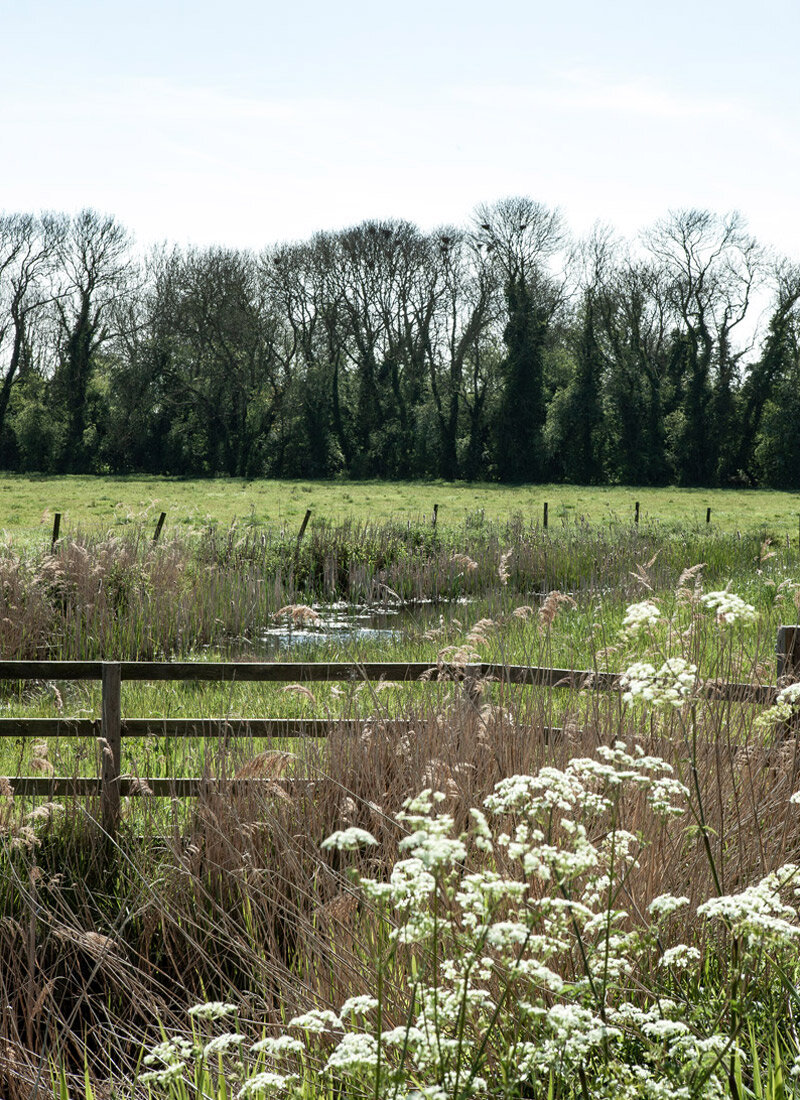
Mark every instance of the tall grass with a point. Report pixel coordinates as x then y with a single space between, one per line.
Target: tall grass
123 597
231 897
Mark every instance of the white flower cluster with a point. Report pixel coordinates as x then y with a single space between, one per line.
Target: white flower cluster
729 607
223 1044
789 696
521 926
670 685
758 914
212 1010
172 1056
261 1084
522 973
348 840
785 707
665 905
639 616
681 957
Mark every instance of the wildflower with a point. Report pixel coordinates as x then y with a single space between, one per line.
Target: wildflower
410 882
165 1076
354 1051
434 848
264 1082
402 1036
662 791
279 1046
357 1006
221 1044
665 905
757 913
211 1010
551 789
785 707
171 1058
789 696
575 1032
482 836
170 1051
638 616
679 957
664 1029
729 607
671 685
317 1020
348 840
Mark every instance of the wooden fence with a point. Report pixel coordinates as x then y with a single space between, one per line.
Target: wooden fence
111 727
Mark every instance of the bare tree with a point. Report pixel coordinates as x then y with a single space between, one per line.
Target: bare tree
389 292
28 249
710 267
469 307
306 286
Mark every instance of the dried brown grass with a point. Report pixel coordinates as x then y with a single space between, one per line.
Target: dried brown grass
238 902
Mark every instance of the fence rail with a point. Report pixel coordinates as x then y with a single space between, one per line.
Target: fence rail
111 727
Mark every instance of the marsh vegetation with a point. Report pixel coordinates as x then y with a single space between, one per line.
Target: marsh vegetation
231 898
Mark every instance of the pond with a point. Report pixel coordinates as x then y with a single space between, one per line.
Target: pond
345 623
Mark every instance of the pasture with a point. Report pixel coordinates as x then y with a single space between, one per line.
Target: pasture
28 503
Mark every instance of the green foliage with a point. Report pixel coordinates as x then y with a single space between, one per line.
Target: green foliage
381 351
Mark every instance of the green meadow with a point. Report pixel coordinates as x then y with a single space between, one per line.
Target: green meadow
29 502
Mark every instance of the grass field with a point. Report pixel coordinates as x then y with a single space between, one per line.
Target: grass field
28 503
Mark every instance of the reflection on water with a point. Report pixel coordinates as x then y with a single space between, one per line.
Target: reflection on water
345 624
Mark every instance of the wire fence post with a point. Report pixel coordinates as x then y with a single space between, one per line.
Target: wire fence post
111 745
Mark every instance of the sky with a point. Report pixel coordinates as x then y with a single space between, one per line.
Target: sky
243 124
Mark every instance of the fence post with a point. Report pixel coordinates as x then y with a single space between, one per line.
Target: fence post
435 515
111 745
159 525
56 529
636 513
788 653
544 516
303 525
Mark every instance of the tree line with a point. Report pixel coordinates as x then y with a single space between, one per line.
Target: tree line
501 350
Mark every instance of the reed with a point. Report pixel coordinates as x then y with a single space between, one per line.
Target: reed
124 597
232 898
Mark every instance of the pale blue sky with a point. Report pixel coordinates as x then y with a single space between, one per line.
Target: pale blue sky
245 123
